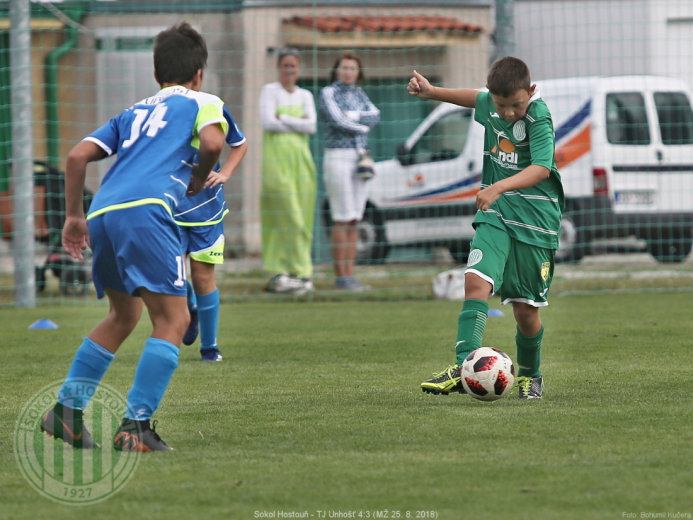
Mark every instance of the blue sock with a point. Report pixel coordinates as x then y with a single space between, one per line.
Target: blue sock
158 362
208 309
192 299
88 367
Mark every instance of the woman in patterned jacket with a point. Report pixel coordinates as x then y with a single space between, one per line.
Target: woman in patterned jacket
348 115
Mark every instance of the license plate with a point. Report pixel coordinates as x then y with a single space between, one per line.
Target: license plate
634 197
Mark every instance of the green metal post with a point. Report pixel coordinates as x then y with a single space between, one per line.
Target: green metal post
51 78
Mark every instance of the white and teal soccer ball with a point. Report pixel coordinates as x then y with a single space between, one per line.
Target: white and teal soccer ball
487 374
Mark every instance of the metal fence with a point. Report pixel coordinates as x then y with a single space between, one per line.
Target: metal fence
616 76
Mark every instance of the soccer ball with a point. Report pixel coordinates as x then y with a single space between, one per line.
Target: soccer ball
487 374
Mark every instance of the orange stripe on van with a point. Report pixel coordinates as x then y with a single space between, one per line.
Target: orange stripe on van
578 146
446 198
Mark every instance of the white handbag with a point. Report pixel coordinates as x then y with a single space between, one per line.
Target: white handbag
449 285
365 166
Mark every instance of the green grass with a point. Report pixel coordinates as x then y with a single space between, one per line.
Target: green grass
317 407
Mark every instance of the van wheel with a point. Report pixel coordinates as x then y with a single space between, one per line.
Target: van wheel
671 246
372 246
571 242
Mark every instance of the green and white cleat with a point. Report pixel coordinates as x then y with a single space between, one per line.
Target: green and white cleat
530 387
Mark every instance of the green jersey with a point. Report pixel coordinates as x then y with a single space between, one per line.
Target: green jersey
531 215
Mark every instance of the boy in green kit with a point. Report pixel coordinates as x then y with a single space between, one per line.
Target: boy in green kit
518 219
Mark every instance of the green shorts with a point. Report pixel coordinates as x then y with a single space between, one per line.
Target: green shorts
521 272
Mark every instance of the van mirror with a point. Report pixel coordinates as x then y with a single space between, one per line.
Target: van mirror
403 154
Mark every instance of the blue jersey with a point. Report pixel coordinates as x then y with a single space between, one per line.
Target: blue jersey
209 206
156 141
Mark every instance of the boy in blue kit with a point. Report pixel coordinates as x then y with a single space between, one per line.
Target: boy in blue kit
135 241
200 218
518 219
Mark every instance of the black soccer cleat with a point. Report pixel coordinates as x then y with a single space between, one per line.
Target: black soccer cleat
67 424
139 436
530 387
444 382
210 354
193 329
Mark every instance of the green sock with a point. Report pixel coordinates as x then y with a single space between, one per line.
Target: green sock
529 353
470 327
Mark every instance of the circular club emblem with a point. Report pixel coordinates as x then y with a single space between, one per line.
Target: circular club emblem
519 131
474 257
67 475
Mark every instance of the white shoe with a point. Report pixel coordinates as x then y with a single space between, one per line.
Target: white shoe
307 286
285 284
278 280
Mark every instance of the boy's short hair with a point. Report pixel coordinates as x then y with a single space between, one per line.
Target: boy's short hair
179 52
507 76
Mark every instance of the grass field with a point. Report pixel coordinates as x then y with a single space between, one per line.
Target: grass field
317 407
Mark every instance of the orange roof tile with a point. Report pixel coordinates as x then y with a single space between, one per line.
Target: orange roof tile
332 24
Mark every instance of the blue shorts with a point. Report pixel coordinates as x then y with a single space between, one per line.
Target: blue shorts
204 243
137 247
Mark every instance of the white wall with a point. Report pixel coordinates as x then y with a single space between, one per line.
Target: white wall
560 39
671 48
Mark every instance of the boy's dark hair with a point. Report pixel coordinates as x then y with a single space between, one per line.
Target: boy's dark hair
179 52
348 55
507 76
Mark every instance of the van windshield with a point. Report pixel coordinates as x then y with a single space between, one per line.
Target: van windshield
675 117
444 140
626 119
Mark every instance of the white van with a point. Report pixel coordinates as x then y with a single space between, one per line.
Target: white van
624 148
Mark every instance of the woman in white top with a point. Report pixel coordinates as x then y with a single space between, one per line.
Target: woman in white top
287 201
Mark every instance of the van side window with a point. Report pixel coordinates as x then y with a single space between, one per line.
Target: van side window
675 117
444 140
626 119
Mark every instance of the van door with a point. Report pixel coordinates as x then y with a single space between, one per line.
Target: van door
440 176
675 155
649 152
632 153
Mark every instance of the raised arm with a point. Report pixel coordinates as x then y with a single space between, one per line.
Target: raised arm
420 87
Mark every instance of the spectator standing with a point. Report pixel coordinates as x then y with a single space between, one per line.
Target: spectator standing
348 115
287 202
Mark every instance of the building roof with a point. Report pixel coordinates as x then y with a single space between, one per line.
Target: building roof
384 24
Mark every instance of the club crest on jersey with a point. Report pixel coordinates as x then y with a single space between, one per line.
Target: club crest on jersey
519 131
474 257
545 269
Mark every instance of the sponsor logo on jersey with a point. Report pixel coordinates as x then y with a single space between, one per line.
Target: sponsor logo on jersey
505 151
